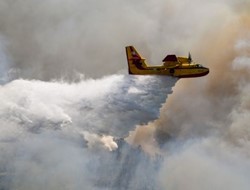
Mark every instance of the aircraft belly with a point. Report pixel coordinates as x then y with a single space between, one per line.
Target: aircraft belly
178 72
189 73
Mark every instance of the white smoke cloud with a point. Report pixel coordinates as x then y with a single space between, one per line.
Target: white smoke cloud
208 147
51 131
106 142
243 49
205 164
106 106
60 135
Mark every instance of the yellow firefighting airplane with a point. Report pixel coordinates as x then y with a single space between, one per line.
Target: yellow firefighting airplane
181 67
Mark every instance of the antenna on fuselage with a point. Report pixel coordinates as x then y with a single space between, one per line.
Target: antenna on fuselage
189 58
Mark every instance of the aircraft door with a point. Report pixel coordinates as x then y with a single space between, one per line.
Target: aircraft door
171 71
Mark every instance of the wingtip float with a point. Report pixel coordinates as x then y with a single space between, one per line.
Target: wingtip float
181 67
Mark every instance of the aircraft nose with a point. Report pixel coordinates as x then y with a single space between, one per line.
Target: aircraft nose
206 71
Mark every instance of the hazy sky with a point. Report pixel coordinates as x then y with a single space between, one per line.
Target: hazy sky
50 39
205 119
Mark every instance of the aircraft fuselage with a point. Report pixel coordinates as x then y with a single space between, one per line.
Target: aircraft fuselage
181 67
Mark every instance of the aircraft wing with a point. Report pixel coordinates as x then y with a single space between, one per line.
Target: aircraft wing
170 58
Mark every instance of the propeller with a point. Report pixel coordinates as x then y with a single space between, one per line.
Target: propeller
189 58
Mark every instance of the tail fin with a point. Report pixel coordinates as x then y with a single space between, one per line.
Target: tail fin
135 62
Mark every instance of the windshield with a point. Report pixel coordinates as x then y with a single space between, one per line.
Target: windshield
199 65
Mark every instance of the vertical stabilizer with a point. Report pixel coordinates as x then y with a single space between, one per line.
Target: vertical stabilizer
135 61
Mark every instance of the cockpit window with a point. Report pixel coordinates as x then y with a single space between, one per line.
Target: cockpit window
199 65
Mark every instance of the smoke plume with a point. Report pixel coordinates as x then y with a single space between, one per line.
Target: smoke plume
64 113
